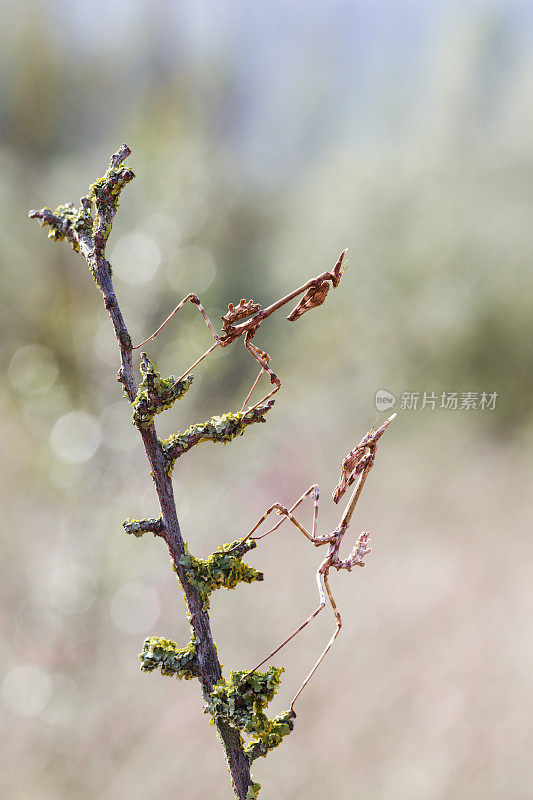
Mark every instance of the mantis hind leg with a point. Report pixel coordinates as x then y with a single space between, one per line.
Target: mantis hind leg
194 299
287 514
254 384
298 630
314 490
338 619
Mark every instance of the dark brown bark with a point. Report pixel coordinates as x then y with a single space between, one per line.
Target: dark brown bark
209 669
208 663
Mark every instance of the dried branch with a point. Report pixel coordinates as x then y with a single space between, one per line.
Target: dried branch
89 235
217 429
237 705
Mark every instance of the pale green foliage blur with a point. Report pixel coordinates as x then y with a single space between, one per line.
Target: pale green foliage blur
265 140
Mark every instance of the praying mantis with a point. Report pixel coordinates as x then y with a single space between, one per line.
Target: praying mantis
245 319
355 468
250 315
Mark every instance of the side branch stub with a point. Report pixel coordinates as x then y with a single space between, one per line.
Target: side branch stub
156 394
224 568
164 654
138 527
222 428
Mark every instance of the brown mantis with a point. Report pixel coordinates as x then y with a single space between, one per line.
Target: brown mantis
250 315
245 320
355 467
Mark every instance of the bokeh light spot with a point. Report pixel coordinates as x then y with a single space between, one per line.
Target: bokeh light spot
118 431
63 701
33 368
136 258
26 690
191 269
135 608
75 437
72 588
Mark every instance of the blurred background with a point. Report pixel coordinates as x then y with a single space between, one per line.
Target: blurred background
266 138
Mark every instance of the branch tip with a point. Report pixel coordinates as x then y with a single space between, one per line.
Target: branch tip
120 156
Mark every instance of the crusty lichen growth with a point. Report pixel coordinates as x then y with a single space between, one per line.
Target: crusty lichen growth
253 791
270 734
155 393
78 225
225 568
110 185
105 193
223 429
138 527
67 221
164 654
241 702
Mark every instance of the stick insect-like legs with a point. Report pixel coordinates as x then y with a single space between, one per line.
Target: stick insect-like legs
287 514
317 541
195 302
260 356
254 384
334 539
322 655
306 622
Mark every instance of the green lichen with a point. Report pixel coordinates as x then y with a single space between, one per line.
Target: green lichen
155 394
65 220
105 193
253 791
164 654
269 734
78 226
110 185
223 568
222 428
241 702
138 527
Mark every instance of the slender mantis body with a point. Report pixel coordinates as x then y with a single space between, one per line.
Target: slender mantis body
246 318
355 468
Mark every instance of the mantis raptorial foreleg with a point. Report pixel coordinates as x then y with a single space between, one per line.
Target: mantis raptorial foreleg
260 356
245 318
